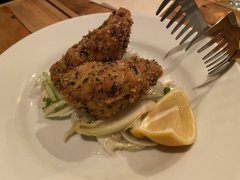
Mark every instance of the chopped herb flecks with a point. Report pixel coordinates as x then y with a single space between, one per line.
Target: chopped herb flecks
166 90
48 101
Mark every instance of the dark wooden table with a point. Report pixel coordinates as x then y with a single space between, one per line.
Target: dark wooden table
19 18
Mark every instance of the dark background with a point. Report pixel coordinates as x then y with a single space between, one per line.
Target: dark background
3 1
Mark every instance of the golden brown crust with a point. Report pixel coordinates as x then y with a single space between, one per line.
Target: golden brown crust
91 77
103 89
106 43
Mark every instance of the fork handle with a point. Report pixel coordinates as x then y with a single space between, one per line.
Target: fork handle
238 53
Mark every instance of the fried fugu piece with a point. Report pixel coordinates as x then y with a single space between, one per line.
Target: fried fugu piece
106 43
104 88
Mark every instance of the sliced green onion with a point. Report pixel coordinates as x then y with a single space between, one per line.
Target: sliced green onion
49 90
48 101
46 76
67 111
54 90
55 107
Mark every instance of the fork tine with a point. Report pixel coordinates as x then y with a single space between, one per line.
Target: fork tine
218 67
188 25
169 10
175 17
187 36
219 45
222 70
162 6
212 30
212 41
189 12
221 63
197 38
223 51
222 44
217 60
215 28
179 25
202 35
189 9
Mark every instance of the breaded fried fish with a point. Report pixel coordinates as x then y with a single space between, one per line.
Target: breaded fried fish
106 43
104 88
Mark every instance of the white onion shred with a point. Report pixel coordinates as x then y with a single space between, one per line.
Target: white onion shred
118 122
116 142
140 142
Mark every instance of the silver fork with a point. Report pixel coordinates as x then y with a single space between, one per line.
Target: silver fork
225 42
189 14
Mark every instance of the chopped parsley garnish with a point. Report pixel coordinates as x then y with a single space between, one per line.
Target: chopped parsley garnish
166 90
48 101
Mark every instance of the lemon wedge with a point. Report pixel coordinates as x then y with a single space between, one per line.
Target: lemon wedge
170 122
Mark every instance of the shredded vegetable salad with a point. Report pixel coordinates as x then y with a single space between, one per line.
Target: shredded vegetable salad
113 134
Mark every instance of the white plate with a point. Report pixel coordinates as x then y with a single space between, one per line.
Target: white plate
32 147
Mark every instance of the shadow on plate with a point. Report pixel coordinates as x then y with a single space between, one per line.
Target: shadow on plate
155 160
188 71
79 148
76 149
